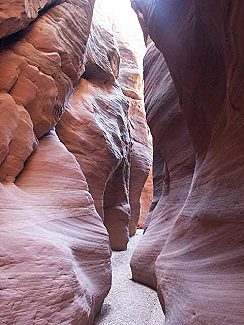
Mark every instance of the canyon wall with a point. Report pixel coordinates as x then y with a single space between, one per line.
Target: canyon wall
68 155
193 247
171 145
104 126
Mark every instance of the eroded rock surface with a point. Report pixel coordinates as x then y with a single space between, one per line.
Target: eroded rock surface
97 114
55 252
101 112
17 14
173 164
50 271
199 271
38 71
63 77
141 161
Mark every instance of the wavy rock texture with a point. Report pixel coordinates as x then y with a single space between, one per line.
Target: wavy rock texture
173 164
55 253
98 113
200 269
17 14
50 272
131 47
17 139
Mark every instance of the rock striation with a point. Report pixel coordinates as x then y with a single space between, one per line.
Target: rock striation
101 112
39 70
50 272
171 145
199 269
55 253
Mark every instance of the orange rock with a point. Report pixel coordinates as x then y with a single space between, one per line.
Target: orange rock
45 61
18 14
146 200
141 161
38 70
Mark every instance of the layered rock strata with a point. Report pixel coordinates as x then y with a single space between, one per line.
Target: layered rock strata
38 71
63 77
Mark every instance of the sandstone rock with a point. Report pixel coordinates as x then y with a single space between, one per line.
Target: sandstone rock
146 200
55 255
97 115
17 139
38 71
173 164
141 161
17 14
46 61
200 270
103 58
131 47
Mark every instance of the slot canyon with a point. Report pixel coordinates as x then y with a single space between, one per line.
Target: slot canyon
122 162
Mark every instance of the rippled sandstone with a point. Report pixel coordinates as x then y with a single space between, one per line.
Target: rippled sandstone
199 271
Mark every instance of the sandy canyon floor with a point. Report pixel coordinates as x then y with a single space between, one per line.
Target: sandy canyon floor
129 303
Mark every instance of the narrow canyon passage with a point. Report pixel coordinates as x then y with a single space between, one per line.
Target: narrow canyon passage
117 115
128 302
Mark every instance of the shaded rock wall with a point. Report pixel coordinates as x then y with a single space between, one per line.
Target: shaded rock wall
199 271
173 164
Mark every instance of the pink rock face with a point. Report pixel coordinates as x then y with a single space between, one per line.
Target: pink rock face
55 252
51 271
97 114
200 269
38 70
132 48
17 14
172 179
107 132
95 129
45 61
54 246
